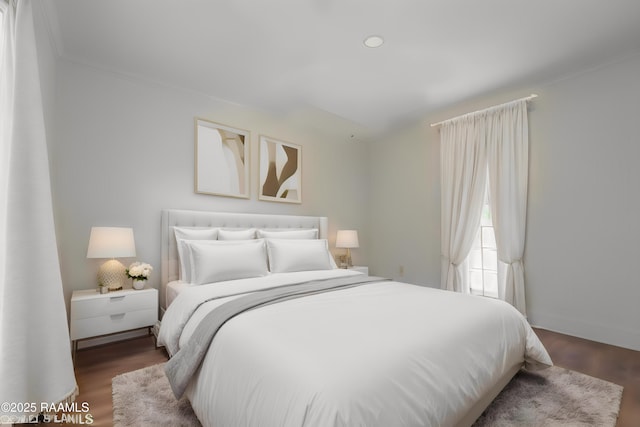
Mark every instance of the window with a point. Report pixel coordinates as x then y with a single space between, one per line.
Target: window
483 258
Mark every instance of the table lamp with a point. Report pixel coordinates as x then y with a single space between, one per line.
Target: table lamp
111 242
347 239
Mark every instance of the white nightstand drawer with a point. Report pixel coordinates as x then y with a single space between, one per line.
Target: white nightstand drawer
112 303
94 314
114 322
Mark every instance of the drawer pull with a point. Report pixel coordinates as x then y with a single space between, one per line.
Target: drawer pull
117 316
116 299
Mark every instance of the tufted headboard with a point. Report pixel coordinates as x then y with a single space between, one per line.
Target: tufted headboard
203 219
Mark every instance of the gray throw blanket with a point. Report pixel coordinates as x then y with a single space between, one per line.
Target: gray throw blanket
182 366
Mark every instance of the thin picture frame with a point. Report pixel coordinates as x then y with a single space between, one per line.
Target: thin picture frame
221 160
280 171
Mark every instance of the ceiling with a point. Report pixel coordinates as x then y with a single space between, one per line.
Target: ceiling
285 55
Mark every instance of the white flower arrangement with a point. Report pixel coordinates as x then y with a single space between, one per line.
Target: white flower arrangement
139 271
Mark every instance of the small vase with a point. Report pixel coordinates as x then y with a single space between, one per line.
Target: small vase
139 284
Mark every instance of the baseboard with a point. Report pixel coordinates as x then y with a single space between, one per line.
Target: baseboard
618 336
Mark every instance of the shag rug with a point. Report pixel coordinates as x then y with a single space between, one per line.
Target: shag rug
552 397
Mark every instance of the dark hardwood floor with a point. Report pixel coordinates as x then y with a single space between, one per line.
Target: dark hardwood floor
615 364
96 366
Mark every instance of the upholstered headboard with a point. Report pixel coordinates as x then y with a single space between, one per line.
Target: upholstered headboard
202 219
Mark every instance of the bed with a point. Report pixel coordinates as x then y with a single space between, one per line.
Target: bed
361 352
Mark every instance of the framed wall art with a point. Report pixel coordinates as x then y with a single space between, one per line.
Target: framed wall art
221 160
280 171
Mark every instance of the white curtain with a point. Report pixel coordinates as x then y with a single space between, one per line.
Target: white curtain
463 168
493 140
508 161
35 357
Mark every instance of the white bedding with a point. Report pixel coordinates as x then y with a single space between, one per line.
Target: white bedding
384 354
174 288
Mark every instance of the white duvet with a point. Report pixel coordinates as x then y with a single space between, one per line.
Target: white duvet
382 354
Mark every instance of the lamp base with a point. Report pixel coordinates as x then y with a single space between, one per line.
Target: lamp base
112 274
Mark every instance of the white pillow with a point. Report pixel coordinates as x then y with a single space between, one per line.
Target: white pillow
215 262
186 253
298 255
311 233
183 233
247 234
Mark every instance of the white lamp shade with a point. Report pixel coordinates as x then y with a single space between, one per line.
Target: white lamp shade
111 242
347 239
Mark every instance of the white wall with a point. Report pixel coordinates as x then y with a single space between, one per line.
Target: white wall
121 150
404 219
583 235
124 149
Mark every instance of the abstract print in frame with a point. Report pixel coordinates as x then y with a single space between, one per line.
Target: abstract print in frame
280 171
222 160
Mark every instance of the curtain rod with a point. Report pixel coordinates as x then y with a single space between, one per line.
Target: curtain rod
526 98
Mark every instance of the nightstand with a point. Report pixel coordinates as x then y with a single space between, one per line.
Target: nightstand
94 314
362 269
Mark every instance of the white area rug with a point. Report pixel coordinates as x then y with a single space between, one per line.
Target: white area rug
553 397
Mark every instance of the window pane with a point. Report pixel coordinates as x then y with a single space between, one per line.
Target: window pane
475 259
483 257
488 238
486 216
491 284
490 260
475 278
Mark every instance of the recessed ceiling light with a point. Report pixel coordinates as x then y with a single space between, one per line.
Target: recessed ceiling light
373 41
